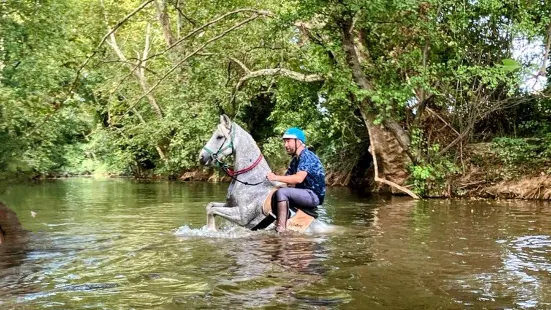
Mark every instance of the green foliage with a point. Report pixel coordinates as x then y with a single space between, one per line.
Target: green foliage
514 152
430 179
458 52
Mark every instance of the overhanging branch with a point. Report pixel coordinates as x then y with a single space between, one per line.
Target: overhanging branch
81 67
196 51
257 13
297 76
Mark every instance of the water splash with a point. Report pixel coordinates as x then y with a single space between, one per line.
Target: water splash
318 227
232 232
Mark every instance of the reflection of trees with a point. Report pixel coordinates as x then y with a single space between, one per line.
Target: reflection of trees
462 252
271 269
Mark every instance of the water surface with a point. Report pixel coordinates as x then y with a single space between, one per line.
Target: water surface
122 244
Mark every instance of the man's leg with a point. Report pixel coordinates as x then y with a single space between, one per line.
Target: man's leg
298 198
282 214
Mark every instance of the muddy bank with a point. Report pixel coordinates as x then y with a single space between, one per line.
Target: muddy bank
484 174
529 187
487 175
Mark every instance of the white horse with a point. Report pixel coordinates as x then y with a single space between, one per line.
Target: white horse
249 189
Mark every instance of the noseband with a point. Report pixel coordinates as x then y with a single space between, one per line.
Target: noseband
218 163
222 148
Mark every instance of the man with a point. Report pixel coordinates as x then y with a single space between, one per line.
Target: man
307 175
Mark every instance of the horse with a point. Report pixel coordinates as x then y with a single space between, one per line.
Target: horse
249 190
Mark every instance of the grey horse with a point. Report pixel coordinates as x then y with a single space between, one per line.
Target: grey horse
249 188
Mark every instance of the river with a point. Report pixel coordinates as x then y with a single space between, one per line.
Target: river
123 244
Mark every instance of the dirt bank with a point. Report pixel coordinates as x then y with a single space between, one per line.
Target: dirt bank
489 176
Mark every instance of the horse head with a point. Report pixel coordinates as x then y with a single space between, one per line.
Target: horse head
220 143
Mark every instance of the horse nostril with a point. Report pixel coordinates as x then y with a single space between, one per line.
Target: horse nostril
203 158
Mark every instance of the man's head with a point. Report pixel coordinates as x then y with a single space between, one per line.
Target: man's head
294 140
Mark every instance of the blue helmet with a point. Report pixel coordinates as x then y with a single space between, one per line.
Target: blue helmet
294 133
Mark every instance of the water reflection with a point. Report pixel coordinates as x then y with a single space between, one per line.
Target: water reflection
119 243
263 268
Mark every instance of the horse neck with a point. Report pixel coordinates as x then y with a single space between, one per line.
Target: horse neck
247 152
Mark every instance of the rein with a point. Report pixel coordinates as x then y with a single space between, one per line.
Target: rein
227 170
251 167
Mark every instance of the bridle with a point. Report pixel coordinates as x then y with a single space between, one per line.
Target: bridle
225 167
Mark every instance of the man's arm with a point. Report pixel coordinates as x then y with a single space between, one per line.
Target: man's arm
289 179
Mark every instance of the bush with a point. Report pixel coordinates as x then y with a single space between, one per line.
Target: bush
523 152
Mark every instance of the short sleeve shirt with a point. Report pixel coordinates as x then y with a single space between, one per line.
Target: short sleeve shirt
315 177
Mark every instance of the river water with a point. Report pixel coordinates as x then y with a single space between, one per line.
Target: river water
122 244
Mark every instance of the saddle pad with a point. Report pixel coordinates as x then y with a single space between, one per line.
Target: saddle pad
299 222
267 205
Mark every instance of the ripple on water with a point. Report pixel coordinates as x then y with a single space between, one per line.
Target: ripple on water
120 244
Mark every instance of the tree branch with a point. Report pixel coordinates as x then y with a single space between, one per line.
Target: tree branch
202 27
81 67
181 13
454 142
308 78
543 68
145 49
197 50
376 167
431 111
138 73
363 83
164 20
111 31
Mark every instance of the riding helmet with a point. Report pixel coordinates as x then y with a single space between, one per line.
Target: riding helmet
295 133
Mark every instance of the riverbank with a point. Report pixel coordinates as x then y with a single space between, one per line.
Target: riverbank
536 186
489 173
485 174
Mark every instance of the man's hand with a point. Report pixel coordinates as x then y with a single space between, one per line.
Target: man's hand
271 176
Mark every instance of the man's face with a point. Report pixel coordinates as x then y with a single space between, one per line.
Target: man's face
290 146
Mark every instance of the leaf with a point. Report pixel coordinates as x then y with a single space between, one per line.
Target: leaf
510 65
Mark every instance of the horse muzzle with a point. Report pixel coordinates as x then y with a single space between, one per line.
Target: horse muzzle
205 158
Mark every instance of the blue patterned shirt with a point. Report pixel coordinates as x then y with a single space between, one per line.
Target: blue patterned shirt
315 177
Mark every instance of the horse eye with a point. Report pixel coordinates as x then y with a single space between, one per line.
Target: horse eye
219 137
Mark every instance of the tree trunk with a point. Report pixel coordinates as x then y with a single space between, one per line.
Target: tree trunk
164 20
392 143
139 72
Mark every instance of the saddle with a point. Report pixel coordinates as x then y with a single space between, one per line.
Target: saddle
299 222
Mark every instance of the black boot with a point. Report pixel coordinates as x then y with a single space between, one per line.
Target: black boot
282 213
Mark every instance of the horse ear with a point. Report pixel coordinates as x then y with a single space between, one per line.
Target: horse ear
225 120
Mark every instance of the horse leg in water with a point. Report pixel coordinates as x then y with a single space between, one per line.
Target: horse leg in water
232 214
210 215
